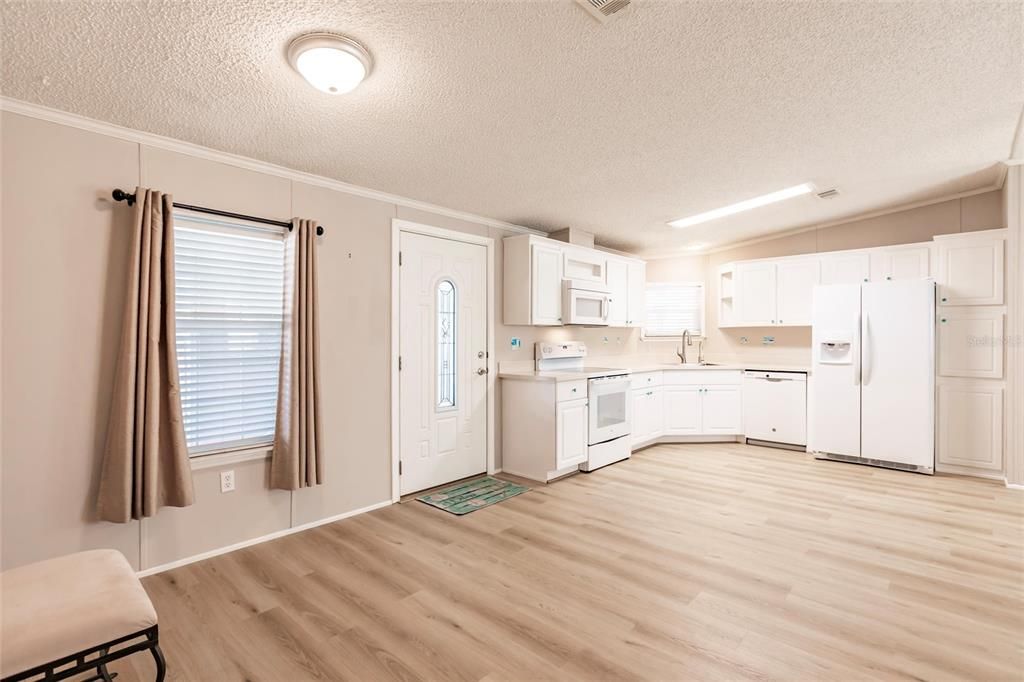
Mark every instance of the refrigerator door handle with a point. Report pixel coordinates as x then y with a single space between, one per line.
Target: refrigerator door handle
866 351
856 359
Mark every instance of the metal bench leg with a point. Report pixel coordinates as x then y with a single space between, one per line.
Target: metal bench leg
105 674
161 664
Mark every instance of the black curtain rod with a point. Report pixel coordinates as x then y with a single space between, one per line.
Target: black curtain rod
121 195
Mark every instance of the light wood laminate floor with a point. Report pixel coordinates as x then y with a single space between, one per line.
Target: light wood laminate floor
711 562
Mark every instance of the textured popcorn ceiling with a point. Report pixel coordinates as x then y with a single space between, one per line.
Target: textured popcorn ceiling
534 113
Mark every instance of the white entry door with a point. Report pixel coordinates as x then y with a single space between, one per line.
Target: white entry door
443 351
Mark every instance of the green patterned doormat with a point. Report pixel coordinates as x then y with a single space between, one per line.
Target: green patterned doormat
468 496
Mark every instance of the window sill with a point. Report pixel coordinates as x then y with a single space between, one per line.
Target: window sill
219 459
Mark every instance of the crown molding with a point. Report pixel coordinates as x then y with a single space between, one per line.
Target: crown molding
51 115
998 184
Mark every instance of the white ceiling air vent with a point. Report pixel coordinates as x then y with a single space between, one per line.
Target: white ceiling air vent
602 10
828 194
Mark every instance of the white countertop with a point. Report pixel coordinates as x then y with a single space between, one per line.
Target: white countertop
641 366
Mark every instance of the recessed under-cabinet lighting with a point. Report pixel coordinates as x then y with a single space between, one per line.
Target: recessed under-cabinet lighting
746 205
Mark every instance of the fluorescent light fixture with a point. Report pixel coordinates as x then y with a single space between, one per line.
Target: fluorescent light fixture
763 200
331 63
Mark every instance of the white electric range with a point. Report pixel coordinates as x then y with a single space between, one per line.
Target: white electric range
607 395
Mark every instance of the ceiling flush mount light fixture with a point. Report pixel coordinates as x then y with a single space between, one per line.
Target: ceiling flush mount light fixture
331 63
763 200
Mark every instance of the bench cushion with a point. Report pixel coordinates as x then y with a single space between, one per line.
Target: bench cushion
61 606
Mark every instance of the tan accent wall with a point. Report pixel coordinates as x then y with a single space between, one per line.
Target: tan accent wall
64 266
65 244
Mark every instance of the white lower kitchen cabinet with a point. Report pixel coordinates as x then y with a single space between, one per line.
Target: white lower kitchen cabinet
545 425
721 411
681 406
970 420
648 415
571 427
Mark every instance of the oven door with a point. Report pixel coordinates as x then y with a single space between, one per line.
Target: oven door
610 407
585 307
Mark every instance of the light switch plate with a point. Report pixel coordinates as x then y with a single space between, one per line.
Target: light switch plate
227 481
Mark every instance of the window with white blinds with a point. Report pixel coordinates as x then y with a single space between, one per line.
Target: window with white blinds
229 284
673 307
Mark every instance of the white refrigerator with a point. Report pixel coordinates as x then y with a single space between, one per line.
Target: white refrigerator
872 393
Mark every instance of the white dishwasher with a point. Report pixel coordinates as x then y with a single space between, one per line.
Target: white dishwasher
775 407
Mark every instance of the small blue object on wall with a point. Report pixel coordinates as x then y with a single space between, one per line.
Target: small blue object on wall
516 343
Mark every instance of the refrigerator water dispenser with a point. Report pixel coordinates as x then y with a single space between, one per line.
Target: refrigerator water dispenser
836 348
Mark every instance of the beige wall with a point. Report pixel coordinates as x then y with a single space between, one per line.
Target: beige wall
64 267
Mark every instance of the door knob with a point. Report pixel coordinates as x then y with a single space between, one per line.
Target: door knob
482 371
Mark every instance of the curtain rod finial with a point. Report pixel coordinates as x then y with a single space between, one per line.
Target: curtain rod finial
121 195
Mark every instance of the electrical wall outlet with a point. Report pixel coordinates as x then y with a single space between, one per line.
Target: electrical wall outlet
743 340
227 481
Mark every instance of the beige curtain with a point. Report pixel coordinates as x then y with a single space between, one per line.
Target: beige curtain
297 458
145 462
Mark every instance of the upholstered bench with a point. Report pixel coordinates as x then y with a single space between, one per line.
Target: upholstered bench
74 614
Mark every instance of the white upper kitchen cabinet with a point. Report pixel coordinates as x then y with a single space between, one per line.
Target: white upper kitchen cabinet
971 342
845 267
901 262
971 268
535 269
795 282
755 294
637 306
618 296
546 286
532 284
584 264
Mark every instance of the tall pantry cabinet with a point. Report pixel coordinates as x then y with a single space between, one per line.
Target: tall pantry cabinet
971 382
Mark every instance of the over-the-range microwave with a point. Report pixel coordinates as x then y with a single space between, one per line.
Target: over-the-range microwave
584 303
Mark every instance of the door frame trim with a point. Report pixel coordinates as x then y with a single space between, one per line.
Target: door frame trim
398 226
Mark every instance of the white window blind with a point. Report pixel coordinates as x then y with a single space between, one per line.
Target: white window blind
673 307
229 284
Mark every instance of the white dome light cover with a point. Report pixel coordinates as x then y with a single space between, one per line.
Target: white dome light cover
331 63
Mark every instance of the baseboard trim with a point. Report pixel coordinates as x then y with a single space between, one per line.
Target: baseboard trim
1013 486
259 540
